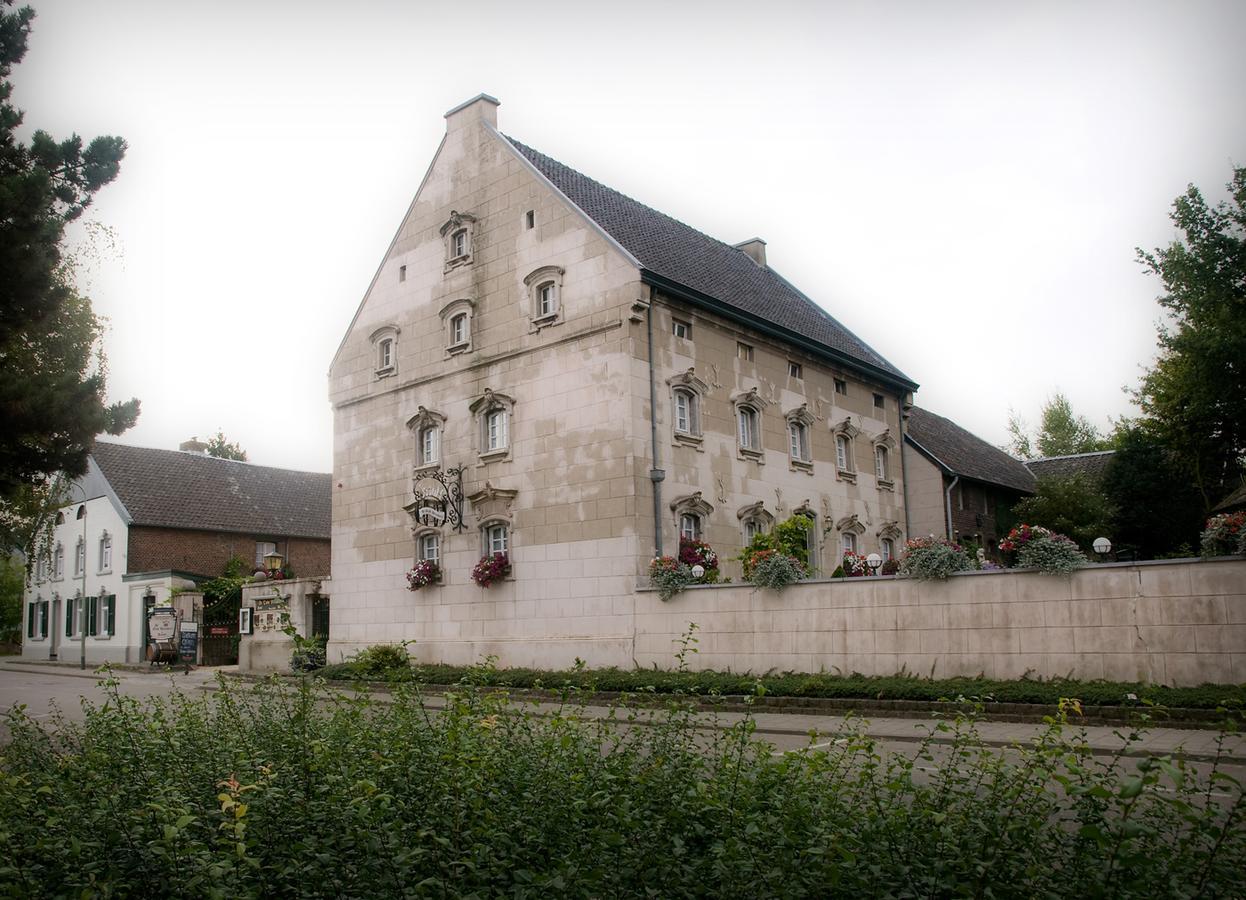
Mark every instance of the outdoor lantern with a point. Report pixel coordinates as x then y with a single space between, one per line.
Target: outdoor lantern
698 570
1102 546
272 561
874 561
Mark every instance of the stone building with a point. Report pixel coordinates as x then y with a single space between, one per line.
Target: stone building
606 379
960 487
143 522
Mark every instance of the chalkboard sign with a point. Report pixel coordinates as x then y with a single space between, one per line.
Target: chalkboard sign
188 642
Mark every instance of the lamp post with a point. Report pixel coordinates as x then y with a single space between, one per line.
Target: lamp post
873 561
1103 547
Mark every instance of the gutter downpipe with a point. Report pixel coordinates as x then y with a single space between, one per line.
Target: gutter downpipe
947 500
904 475
656 474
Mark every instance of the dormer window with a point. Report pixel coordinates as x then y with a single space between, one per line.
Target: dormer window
385 346
458 233
457 319
544 288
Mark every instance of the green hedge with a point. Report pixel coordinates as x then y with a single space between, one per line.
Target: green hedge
896 687
263 792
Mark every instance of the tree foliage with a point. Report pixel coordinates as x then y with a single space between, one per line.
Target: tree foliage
1061 432
1157 506
1075 506
1194 397
53 372
220 447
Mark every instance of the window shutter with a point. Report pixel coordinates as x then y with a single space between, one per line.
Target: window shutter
30 620
69 617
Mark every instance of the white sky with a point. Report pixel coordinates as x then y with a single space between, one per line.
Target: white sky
961 184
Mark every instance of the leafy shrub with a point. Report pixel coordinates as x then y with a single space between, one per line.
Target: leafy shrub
774 570
491 568
931 558
1041 548
308 654
890 567
259 793
1224 534
380 659
669 576
789 538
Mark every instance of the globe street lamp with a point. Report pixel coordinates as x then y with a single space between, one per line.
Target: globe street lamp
1103 547
873 561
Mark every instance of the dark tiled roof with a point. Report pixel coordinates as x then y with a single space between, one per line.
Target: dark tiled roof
668 248
1233 502
1090 465
173 489
966 454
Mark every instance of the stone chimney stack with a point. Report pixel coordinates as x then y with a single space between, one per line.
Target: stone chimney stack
482 106
194 445
756 250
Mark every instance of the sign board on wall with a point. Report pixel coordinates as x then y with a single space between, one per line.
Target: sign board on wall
162 624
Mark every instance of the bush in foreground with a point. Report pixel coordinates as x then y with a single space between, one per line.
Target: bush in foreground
269 792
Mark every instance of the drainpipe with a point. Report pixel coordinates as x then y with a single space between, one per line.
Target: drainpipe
656 474
947 500
904 472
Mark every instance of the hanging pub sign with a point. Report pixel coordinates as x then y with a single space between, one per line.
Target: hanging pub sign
162 624
438 498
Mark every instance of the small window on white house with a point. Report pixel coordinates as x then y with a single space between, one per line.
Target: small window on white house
385 346
430 547
795 370
849 541
681 329
544 286
457 233
546 300
456 319
798 440
402 273
58 561
105 552
80 558
492 412
888 548
841 387
881 464
496 539
690 527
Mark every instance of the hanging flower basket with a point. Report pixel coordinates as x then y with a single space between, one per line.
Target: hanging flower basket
491 568
425 572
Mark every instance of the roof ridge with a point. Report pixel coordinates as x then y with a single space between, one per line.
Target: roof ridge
1067 456
216 459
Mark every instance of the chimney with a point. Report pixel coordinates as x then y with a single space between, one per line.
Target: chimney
756 250
482 106
194 445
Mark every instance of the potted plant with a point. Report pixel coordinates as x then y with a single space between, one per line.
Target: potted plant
424 572
491 568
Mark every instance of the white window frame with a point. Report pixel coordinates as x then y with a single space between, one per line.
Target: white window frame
80 557
385 349
687 391
690 526
882 463
385 354
843 452
430 547
458 232
495 538
105 552
493 413
682 329
795 370
888 548
459 244
456 317
262 550
848 542
497 430
458 329
430 444
544 290
748 428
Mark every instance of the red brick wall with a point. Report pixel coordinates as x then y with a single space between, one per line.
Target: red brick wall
969 520
207 552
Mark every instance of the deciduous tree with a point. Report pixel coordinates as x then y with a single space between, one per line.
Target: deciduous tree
1061 432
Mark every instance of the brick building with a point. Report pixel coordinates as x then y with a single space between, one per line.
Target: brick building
144 522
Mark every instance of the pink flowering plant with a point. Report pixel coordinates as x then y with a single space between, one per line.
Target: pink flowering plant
932 558
491 568
855 565
423 573
1224 535
669 575
698 553
1043 549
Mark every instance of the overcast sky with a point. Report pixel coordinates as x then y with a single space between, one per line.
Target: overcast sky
961 184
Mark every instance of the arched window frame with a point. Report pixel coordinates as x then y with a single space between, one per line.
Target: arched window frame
850 533
538 281
459 235
800 438
450 317
425 535
385 350
754 520
748 407
495 532
845 435
889 534
884 454
494 415
694 507
686 429
422 424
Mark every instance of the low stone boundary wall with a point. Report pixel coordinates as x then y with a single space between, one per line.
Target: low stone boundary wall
1180 622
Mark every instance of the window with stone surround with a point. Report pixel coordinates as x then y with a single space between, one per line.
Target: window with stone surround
385 347
105 552
882 464
845 449
456 317
691 514
687 391
495 538
58 562
888 548
849 542
754 520
690 527
799 425
544 287
430 546
851 532
459 234
80 557
748 411
427 426
493 415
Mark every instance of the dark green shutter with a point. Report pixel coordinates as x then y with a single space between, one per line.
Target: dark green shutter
69 617
30 620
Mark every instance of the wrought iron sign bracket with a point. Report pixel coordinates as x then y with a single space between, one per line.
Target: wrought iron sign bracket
442 504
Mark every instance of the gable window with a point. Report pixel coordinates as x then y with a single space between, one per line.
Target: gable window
456 317
530 219
795 370
681 329
458 233
493 412
58 561
744 351
80 558
881 467
402 273
105 552
385 344
880 402
430 547
544 287
841 387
